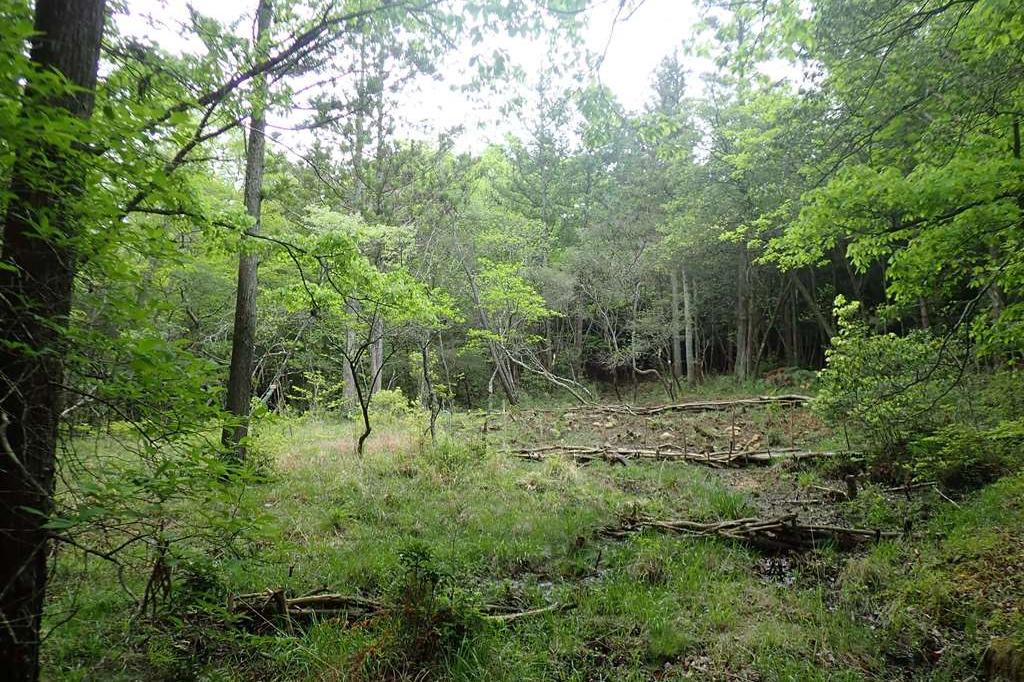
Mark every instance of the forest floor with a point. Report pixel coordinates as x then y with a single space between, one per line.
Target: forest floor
447 531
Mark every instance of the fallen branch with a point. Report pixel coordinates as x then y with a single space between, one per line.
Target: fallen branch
909 487
584 454
265 609
509 617
261 609
779 534
698 406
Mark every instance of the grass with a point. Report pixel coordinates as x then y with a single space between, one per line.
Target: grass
450 527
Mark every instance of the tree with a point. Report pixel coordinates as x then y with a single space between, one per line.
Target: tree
37 272
243 338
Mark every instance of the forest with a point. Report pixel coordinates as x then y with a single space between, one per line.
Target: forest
303 383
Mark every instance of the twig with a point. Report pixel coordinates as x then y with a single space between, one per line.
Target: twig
509 617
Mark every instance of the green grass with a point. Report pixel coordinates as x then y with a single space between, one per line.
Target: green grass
498 531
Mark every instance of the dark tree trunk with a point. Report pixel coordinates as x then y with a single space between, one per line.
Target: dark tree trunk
349 391
243 338
36 283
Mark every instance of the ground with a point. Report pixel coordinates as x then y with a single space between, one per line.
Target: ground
448 531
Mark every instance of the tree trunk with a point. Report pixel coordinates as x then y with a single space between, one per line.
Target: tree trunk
677 346
376 354
428 397
577 342
691 358
36 283
349 390
741 366
504 372
823 322
243 338
790 338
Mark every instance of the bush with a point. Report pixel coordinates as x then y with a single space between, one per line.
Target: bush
964 457
886 387
910 405
450 458
390 404
430 625
886 392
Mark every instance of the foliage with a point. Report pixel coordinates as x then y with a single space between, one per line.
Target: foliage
885 169
961 456
431 625
392 404
886 388
945 605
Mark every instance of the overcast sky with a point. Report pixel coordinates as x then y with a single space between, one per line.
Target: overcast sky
635 45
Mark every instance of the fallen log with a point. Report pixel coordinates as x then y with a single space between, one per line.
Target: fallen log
696 406
585 454
779 534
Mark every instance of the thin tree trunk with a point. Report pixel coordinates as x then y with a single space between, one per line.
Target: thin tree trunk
504 372
577 342
243 338
691 358
823 322
677 346
364 410
428 398
922 306
36 283
349 390
741 366
790 332
376 353
498 353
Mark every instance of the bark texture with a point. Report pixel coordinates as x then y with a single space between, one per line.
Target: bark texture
243 337
35 298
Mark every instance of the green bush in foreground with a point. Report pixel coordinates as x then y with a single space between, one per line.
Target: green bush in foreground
916 409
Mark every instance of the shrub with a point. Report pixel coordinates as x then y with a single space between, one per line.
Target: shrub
451 458
390 404
886 387
912 407
960 456
886 391
430 624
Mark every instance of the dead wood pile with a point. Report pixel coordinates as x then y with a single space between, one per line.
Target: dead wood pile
697 406
780 534
668 453
273 609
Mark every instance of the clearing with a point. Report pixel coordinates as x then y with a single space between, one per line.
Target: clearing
501 553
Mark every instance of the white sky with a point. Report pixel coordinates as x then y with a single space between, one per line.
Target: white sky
635 46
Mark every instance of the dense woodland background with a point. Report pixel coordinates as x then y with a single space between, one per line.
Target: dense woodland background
177 273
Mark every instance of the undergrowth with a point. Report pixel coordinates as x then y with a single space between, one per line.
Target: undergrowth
445 532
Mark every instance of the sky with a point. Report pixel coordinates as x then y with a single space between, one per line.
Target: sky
632 46
638 43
